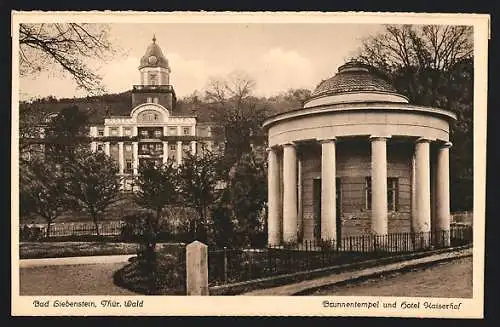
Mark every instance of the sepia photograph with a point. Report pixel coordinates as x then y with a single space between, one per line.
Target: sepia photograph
170 163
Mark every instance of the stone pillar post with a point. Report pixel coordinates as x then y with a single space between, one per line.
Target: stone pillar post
193 147
120 157
196 269
379 185
443 216
423 181
179 153
135 157
273 201
165 152
106 148
93 146
289 193
328 190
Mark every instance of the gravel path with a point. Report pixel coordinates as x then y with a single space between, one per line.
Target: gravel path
448 279
88 279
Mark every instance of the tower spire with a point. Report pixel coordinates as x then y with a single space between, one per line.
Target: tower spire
154 38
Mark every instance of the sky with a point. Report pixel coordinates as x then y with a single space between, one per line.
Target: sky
278 56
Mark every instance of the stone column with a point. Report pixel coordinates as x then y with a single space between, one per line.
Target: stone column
193 147
179 153
379 185
328 190
289 193
423 180
414 211
165 152
120 157
273 201
443 216
106 148
135 157
300 222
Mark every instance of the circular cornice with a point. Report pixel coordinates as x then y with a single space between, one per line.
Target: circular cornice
365 106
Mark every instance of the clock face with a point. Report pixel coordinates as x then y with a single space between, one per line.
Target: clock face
152 60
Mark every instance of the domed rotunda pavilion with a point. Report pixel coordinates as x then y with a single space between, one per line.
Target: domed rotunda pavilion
357 159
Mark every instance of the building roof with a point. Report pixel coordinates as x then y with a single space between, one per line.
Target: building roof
354 76
154 57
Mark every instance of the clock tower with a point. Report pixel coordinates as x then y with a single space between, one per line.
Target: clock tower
155 84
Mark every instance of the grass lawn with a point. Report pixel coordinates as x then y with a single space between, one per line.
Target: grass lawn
35 250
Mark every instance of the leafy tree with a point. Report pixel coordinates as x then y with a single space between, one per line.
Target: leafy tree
67 47
41 191
289 100
198 177
248 195
66 133
32 120
157 187
222 220
433 66
93 183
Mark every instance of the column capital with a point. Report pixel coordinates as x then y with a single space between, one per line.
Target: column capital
379 137
292 144
328 140
271 148
445 145
424 140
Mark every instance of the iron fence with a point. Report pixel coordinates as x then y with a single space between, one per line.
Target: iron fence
37 232
236 265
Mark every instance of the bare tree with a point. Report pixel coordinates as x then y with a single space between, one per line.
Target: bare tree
66 46
438 47
232 105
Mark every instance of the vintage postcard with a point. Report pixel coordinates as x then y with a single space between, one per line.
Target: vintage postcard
248 164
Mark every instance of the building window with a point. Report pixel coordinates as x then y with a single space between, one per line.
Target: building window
127 131
158 147
100 131
144 133
114 131
368 193
100 147
172 147
392 194
155 100
158 133
149 100
172 130
186 130
128 147
144 147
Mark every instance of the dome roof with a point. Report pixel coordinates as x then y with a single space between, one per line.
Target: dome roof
354 76
154 57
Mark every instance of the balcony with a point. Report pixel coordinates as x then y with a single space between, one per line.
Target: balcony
153 88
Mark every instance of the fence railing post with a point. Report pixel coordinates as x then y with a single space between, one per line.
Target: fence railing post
196 269
225 264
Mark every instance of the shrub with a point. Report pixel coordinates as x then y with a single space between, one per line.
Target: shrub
159 272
